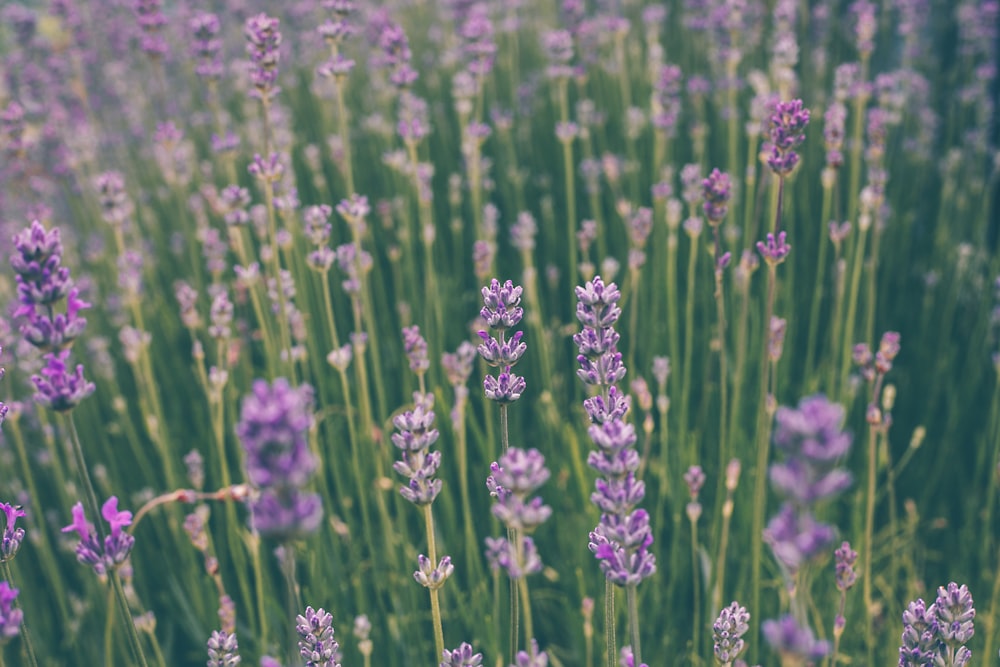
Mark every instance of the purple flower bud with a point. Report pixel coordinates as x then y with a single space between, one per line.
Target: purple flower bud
117 544
12 535
716 190
532 658
316 643
433 576
793 641
223 650
10 618
775 250
787 125
502 305
954 612
728 631
461 657
504 354
416 350
845 557
263 42
695 479
505 388
59 389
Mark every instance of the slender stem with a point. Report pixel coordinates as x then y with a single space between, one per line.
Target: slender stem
504 437
820 285
611 644
291 597
25 635
720 565
529 631
684 418
570 182
866 558
126 616
259 577
991 619
696 595
631 599
847 334
435 603
760 470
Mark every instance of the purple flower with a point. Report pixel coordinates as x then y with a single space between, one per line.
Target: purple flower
954 611
505 388
12 535
416 350
532 658
431 575
316 643
223 650
728 631
116 546
791 640
273 427
461 657
695 479
775 250
716 190
502 305
796 537
416 433
206 46
787 125
57 387
10 618
263 42
921 642
845 557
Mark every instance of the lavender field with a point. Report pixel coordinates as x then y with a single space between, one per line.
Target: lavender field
585 333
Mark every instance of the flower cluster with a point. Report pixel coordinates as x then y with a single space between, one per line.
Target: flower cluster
223 650
273 426
937 635
206 45
796 644
12 535
263 42
416 434
787 125
716 190
811 439
461 657
874 368
728 631
42 282
10 618
317 645
621 540
513 478
502 311
107 554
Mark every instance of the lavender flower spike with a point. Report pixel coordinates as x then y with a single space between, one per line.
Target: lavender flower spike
716 190
57 387
10 618
775 250
728 631
317 644
273 426
117 544
787 125
793 642
12 535
223 650
461 657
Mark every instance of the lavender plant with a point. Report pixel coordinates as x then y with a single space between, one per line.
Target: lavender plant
199 151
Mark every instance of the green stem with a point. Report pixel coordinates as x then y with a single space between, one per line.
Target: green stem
631 599
848 333
760 470
684 419
611 644
25 635
435 603
696 595
866 558
570 183
126 617
819 287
